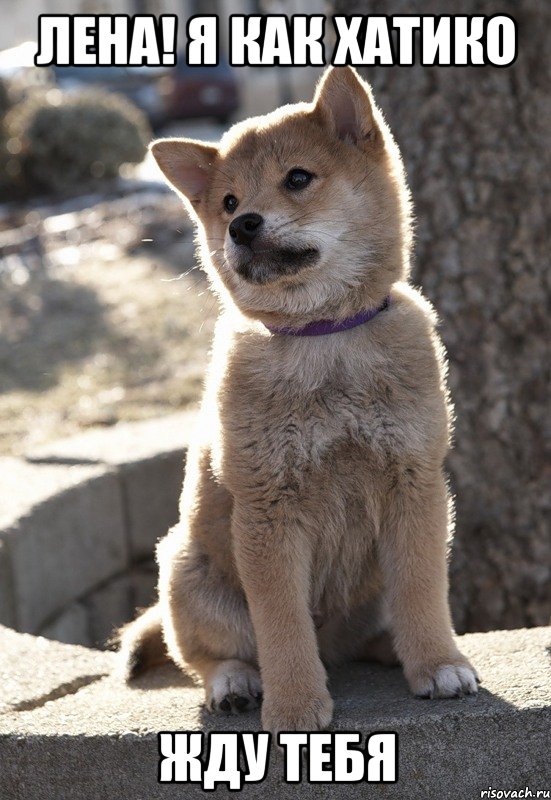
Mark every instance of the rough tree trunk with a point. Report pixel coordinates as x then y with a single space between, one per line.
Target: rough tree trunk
477 143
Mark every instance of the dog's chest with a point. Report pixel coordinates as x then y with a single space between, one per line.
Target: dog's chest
345 414
323 455
341 418
297 439
330 455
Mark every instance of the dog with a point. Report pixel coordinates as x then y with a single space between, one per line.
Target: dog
315 514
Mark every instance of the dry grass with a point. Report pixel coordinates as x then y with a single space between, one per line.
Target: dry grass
107 328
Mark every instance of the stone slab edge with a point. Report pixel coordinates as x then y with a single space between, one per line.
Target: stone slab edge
100 740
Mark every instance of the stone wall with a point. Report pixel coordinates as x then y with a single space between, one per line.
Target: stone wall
78 527
91 619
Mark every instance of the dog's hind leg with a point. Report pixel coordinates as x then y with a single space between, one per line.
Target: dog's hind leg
202 621
206 622
232 685
207 626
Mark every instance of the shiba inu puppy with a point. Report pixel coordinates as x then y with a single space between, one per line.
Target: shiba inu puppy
315 513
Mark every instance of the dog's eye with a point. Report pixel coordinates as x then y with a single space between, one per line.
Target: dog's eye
298 179
230 203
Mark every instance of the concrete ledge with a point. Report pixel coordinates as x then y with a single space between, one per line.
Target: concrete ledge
72 730
78 522
144 454
149 459
62 531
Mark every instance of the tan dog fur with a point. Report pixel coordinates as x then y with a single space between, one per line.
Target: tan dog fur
315 513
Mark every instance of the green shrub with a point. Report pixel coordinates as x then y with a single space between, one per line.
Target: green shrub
67 142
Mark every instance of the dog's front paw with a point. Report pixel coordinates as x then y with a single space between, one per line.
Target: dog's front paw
297 712
452 679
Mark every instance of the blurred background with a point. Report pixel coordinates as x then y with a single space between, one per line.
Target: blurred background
105 318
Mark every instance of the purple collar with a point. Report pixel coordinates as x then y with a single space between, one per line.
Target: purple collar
325 326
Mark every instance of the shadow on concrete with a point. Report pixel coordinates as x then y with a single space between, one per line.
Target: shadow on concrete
167 676
363 693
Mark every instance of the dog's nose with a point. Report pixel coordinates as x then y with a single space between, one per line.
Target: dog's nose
243 229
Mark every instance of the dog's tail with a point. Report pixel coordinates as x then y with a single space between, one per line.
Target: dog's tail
141 644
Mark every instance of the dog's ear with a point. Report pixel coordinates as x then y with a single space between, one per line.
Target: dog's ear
343 102
186 164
